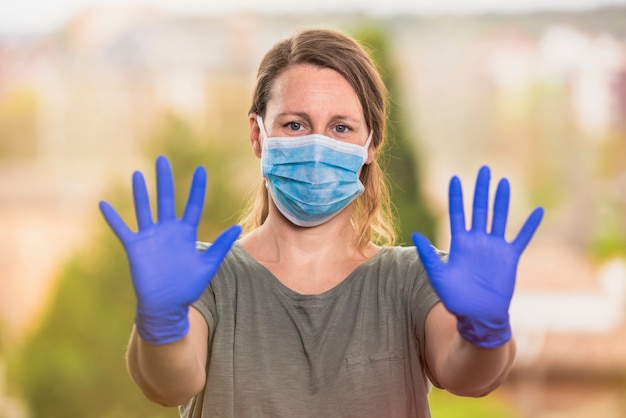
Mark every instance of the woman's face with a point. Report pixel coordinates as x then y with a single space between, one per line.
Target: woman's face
306 99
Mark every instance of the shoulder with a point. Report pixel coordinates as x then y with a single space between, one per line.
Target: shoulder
236 250
402 265
403 256
395 266
236 267
236 262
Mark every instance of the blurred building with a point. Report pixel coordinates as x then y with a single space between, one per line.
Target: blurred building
541 105
76 109
541 99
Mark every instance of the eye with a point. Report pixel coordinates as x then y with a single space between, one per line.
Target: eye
342 129
294 126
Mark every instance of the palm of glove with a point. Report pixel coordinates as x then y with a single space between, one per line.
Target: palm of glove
167 270
479 277
477 282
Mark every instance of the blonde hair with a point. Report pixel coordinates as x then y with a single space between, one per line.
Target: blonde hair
371 216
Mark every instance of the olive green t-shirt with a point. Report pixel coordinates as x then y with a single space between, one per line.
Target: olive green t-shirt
356 350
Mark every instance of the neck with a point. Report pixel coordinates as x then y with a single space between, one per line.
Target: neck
278 240
327 252
330 240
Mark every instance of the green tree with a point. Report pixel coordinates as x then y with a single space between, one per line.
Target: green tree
402 156
445 405
74 365
403 169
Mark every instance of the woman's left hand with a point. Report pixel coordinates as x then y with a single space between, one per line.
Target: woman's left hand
476 283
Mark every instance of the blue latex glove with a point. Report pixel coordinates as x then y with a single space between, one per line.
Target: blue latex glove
476 284
168 272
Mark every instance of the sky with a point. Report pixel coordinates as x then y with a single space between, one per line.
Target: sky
28 16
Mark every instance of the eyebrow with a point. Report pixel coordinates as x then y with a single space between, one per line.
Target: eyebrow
303 115
306 116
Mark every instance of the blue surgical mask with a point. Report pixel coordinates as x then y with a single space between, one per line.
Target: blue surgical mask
311 178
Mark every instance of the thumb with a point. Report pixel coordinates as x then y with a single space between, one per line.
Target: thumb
431 261
115 222
222 244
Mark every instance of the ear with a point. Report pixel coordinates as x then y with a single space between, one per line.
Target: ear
255 135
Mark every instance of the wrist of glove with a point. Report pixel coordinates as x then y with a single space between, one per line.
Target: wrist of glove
485 333
158 328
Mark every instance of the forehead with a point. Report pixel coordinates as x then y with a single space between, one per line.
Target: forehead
308 86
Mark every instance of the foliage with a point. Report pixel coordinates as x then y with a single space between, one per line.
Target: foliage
608 235
74 365
446 405
402 157
608 244
187 149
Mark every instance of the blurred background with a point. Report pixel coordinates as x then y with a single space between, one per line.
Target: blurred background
92 90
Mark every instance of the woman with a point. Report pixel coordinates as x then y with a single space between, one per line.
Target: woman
314 312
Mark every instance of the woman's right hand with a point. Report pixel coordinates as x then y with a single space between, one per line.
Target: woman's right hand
167 270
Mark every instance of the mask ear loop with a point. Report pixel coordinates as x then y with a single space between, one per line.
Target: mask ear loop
263 133
367 146
369 140
263 136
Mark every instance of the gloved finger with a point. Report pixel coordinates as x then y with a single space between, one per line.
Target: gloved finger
457 214
481 200
165 190
501 208
222 244
431 261
115 222
195 201
142 201
528 230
